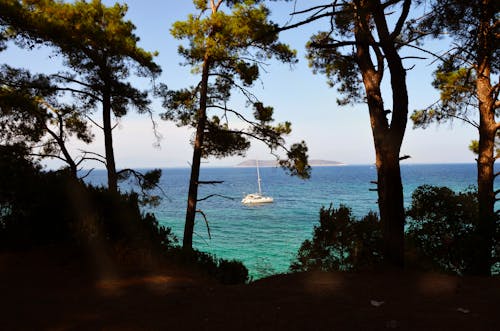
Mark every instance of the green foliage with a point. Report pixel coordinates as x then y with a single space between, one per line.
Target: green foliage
22 117
341 242
226 271
233 41
441 229
83 31
53 209
31 111
147 182
39 209
461 20
221 141
457 96
296 162
99 47
340 68
474 147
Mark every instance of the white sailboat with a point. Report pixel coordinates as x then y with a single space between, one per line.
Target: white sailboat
257 198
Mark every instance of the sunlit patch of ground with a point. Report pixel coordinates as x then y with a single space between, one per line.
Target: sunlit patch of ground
154 283
322 283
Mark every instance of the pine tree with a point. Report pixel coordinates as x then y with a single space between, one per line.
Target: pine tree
227 43
465 80
355 53
100 48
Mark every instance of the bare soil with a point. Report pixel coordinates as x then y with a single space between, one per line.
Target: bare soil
41 292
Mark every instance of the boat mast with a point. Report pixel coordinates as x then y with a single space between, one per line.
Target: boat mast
258 176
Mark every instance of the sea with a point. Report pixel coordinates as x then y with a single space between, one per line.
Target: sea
267 237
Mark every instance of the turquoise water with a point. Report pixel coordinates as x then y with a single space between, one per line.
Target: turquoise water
266 237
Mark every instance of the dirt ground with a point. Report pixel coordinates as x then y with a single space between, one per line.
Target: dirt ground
42 293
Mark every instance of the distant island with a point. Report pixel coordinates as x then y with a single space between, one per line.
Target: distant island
274 163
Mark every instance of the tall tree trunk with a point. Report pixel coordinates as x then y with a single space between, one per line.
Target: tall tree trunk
390 202
486 159
108 141
486 197
389 183
187 243
387 137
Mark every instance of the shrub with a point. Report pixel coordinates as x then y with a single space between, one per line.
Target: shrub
341 242
52 208
225 271
232 272
441 227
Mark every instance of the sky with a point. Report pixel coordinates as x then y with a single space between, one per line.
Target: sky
331 132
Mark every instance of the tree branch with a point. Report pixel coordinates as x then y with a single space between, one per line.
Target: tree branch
334 45
320 7
422 50
48 155
206 222
215 195
87 174
210 182
68 89
309 20
390 3
93 122
401 20
99 156
72 80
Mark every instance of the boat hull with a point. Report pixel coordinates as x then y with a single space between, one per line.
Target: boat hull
256 199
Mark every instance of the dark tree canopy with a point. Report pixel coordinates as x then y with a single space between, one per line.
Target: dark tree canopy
98 45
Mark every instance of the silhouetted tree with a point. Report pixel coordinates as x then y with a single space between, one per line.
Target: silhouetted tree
465 81
101 49
31 113
441 230
341 242
227 49
353 53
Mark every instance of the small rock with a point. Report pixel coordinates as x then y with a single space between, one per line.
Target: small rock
376 303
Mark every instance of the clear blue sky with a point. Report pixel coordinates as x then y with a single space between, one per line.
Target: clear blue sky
331 132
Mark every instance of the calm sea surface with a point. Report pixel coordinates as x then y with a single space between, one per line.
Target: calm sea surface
266 237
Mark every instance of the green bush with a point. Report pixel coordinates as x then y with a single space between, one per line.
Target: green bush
52 208
341 242
225 271
441 227
232 272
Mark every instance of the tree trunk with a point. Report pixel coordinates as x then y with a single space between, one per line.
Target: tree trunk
187 243
60 141
108 141
69 160
390 202
486 197
387 137
482 260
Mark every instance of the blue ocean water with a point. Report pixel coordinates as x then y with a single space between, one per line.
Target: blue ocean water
266 237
